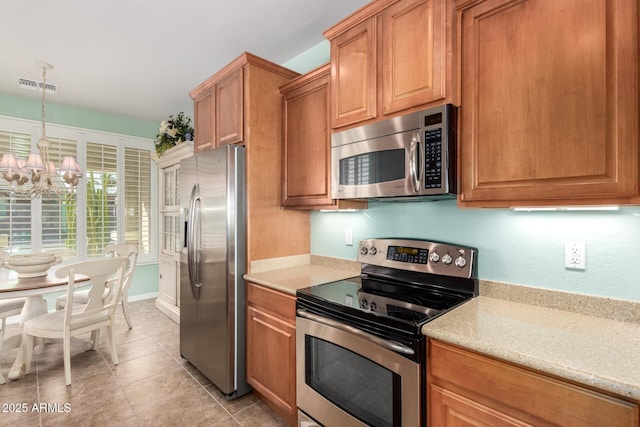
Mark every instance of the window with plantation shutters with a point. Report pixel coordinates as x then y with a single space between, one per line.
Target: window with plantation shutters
137 198
15 209
101 177
59 212
47 224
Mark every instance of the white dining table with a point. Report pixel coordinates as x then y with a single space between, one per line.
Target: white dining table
32 289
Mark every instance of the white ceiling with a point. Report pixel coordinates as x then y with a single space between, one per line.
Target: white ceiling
140 58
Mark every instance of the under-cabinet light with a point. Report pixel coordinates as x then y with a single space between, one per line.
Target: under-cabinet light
593 208
566 208
533 209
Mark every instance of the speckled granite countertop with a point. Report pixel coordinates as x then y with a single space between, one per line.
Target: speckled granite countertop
591 350
292 273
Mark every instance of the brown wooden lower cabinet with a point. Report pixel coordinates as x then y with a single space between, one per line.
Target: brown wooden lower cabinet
465 388
271 348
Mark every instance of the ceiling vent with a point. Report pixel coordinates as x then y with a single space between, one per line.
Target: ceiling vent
37 86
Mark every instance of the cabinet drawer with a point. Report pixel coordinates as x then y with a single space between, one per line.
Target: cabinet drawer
275 302
522 393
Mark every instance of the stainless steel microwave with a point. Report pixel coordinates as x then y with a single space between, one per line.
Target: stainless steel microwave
409 156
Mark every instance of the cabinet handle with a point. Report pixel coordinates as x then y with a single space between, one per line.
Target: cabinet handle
388 344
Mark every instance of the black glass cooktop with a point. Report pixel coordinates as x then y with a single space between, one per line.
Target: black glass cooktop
386 303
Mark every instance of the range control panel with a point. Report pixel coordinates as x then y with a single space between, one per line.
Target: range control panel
419 255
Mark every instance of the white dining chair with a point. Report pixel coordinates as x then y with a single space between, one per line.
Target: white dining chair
118 250
107 278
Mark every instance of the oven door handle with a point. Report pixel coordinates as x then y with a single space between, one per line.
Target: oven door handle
388 344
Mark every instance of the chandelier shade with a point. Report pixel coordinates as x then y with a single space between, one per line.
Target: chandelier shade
37 175
9 163
34 163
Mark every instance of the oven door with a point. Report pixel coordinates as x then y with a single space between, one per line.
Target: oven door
386 166
345 379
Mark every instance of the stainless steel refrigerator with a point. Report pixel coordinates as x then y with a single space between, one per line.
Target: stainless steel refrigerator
212 263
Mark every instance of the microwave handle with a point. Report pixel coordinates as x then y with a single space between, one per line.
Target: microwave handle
414 161
388 344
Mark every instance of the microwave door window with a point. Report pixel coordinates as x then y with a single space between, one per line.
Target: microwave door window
373 167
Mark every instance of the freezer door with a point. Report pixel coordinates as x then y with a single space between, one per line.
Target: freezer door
211 316
189 328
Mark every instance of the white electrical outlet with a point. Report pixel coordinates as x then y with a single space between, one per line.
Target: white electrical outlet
348 237
348 300
574 255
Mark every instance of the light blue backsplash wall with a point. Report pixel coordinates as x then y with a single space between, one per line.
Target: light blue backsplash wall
524 248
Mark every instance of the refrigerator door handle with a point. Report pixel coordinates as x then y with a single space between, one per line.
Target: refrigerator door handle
193 244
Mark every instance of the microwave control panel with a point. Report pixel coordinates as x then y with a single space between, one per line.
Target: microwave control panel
437 145
433 158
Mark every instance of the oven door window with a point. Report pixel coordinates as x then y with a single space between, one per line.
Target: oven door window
354 383
373 167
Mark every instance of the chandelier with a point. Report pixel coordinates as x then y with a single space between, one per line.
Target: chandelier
37 175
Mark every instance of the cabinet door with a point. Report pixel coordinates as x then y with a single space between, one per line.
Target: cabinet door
353 74
168 280
448 409
204 110
169 185
549 102
230 109
413 53
271 370
306 151
501 390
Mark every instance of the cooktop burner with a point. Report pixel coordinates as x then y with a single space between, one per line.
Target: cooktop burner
403 284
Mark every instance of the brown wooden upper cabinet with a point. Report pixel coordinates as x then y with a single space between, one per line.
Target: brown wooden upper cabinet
390 56
219 109
230 108
306 180
204 124
549 102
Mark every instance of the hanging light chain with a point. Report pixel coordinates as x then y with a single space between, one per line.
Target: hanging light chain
44 89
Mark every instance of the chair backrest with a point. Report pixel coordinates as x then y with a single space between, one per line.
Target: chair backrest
125 250
103 298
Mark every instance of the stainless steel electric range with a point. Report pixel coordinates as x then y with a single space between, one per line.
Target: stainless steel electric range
360 351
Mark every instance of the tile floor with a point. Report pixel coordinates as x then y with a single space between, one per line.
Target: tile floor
152 385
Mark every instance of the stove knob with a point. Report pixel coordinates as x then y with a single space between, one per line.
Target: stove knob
434 257
460 262
364 250
447 259
373 306
364 304
373 250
